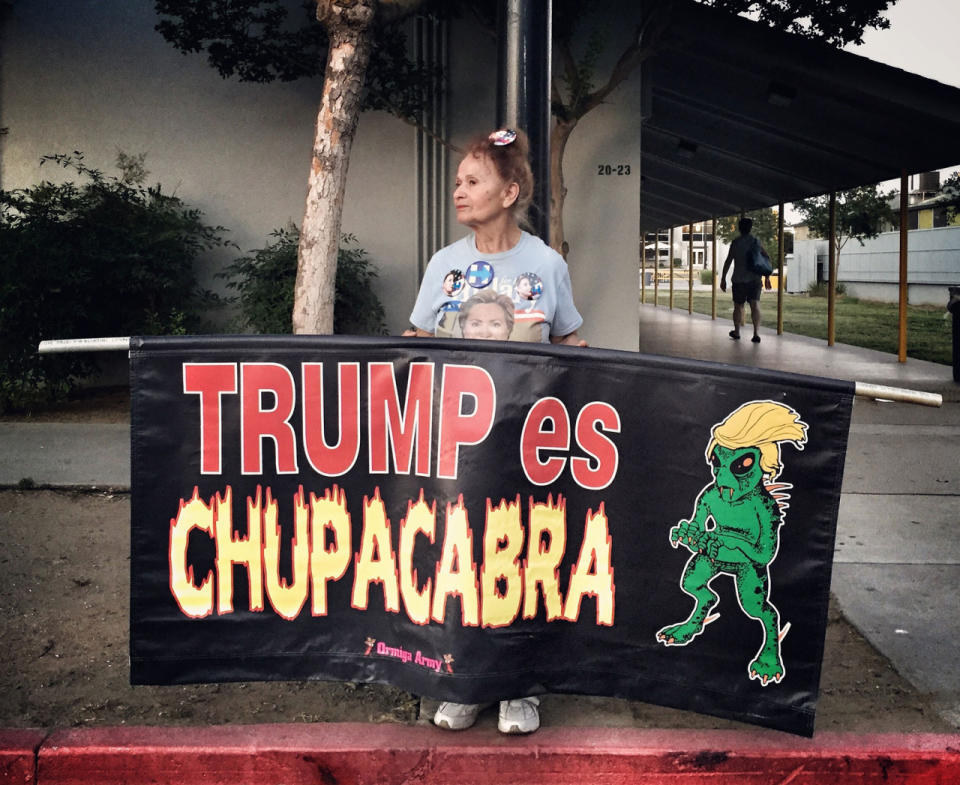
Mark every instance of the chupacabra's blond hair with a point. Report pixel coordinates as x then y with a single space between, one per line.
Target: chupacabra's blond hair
762 424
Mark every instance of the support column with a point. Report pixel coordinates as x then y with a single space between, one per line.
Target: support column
832 264
904 244
780 261
670 267
523 91
656 271
713 260
643 267
690 269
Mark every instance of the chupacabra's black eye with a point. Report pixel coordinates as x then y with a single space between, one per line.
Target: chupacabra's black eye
743 464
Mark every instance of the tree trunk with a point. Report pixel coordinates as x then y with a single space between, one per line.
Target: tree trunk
349 28
559 135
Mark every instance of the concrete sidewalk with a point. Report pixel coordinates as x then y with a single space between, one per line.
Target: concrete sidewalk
897 564
65 455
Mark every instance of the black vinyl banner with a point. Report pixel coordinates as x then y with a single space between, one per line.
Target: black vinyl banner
474 521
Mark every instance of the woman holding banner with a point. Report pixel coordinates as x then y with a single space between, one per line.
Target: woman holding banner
494 188
468 289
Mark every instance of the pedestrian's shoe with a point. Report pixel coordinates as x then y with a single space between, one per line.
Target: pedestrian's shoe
456 716
756 339
735 335
521 715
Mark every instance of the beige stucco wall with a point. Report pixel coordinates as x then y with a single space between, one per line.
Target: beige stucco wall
601 220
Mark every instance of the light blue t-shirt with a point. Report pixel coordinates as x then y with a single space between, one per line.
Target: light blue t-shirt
531 275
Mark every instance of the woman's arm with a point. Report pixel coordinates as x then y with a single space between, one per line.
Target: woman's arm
570 339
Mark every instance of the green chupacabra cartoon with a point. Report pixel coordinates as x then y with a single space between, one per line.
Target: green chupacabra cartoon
747 509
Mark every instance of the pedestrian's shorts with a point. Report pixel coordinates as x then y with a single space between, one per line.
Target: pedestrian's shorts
746 292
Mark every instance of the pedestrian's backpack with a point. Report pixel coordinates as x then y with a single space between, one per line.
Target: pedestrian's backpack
757 262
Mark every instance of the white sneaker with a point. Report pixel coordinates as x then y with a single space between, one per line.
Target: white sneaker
456 716
521 715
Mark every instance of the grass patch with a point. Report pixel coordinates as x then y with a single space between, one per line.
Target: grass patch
866 323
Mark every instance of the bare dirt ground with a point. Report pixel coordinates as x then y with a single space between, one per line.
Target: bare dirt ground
64 569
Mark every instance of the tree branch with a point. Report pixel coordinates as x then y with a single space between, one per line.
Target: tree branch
413 122
630 59
647 40
569 63
570 73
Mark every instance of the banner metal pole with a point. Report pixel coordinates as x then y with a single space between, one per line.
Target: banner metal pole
84 345
881 392
862 389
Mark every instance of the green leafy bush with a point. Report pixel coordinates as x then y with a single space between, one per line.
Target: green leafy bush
265 281
706 277
105 257
819 289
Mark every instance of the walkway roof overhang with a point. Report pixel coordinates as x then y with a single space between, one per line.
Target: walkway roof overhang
739 117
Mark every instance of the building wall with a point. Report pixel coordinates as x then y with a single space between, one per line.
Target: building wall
933 264
802 270
602 224
100 79
872 271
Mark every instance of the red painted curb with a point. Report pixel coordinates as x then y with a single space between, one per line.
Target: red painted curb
18 755
361 754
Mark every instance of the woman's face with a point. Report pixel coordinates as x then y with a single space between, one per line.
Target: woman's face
486 321
524 288
480 194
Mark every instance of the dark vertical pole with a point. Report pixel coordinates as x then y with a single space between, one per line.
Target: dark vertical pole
781 255
656 270
523 91
670 265
643 267
713 267
904 244
832 283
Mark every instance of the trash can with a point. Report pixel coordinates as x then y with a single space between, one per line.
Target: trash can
953 305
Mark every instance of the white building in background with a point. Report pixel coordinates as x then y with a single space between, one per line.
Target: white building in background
872 271
658 251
